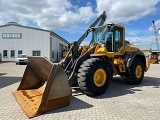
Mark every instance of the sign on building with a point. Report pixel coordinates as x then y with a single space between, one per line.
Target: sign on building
11 35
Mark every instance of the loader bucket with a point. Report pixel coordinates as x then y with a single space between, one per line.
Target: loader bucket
44 86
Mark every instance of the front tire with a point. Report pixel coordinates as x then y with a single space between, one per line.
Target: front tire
94 76
135 72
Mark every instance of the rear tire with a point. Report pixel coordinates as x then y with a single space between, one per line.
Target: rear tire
94 76
135 73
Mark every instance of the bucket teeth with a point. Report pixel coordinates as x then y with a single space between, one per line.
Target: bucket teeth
44 86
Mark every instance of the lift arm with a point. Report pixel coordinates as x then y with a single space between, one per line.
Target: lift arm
101 19
75 45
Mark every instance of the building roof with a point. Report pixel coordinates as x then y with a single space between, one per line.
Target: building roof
12 23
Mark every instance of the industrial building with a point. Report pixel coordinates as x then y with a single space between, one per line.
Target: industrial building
17 39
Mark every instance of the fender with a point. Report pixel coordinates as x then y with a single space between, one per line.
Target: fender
129 59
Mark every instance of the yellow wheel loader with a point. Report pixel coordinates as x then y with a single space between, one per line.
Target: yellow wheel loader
47 86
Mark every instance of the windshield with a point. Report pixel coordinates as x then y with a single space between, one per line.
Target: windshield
101 35
22 56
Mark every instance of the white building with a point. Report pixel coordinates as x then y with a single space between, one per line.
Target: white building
17 39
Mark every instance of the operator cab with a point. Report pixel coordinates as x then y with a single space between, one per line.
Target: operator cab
111 34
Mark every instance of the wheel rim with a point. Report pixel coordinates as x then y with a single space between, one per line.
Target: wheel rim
99 77
138 71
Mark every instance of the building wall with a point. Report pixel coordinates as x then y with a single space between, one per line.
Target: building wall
57 48
31 40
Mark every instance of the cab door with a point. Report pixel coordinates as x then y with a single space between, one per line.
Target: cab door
118 41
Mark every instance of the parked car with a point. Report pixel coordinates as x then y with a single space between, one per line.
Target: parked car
21 59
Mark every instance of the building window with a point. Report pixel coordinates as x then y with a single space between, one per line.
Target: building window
52 54
19 52
65 47
4 53
12 53
36 53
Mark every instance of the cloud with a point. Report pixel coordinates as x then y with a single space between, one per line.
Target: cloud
89 4
2 22
143 42
49 14
124 11
132 34
67 17
120 11
58 14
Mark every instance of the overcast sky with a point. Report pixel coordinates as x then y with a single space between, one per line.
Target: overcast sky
71 18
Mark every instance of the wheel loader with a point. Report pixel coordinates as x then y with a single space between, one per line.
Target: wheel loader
46 86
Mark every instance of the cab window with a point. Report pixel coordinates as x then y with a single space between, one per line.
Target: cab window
118 35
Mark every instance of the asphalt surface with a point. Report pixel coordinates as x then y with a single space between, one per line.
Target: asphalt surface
120 102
